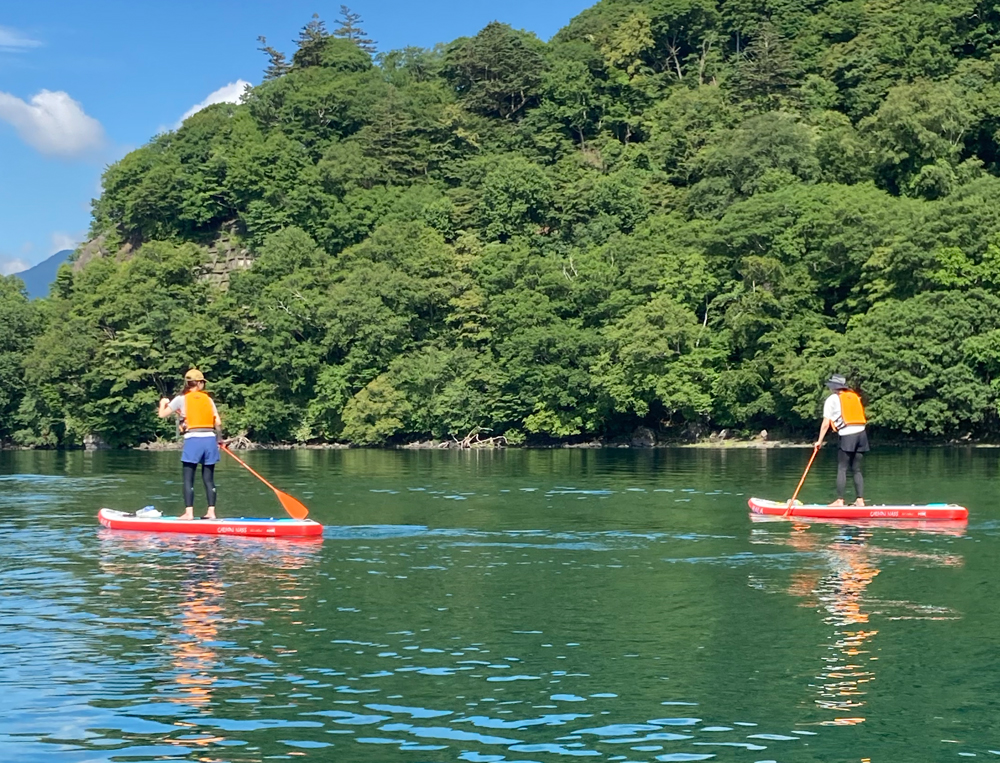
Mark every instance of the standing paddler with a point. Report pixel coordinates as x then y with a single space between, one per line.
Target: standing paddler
202 429
844 411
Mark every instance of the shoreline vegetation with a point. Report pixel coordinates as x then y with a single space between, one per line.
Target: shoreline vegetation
711 442
674 216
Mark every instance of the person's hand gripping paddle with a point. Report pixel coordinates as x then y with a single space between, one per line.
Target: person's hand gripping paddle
791 501
294 507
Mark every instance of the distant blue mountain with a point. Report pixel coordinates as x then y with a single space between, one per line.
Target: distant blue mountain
39 277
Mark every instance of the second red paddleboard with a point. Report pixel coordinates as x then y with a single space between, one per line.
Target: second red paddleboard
875 511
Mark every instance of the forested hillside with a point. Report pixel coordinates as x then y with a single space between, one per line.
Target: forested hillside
676 213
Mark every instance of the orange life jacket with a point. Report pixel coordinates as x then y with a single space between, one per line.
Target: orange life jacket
852 412
198 410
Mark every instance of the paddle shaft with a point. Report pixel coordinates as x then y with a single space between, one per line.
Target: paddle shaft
249 469
795 495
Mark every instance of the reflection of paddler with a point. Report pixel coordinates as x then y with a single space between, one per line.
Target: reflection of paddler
839 587
199 620
842 594
193 657
840 591
853 573
804 581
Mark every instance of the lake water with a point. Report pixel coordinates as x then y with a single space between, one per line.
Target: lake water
615 605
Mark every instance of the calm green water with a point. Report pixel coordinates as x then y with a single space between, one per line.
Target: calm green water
519 606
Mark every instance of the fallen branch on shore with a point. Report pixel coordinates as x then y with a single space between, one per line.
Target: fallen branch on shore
241 442
473 441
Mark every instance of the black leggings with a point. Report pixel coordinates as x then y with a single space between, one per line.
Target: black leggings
207 476
845 459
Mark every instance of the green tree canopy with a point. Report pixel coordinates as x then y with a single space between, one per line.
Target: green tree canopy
682 214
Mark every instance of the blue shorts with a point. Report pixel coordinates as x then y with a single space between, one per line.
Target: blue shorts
200 450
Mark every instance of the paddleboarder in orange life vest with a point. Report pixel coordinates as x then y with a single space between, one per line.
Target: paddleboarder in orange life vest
202 429
844 412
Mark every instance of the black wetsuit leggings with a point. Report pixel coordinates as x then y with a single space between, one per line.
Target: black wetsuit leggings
852 460
207 476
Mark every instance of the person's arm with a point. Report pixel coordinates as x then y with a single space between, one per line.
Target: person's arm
217 423
169 407
831 410
823 429
164 411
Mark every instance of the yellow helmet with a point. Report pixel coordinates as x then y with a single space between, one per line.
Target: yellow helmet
194 375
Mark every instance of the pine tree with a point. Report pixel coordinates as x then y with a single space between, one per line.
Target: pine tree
350 29
277 63
313 32
767 67
310 43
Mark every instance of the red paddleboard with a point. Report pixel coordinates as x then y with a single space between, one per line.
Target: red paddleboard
240 526
877 511
955 527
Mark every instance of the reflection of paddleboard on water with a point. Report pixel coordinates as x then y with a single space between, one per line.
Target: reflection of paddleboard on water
246 527
932 511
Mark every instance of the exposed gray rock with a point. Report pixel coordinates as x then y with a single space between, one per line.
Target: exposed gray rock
225 256
92 250
718 436
97 248
643 437
94 442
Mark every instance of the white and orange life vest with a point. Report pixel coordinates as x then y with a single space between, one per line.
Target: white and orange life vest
852 412
199 412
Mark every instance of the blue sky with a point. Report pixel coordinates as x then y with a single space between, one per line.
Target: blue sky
81 84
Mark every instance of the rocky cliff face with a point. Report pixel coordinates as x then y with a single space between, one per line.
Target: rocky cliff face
223 256
95 249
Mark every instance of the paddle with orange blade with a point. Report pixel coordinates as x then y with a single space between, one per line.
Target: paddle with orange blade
795 495
293 506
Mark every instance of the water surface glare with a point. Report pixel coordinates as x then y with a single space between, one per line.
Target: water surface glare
486 607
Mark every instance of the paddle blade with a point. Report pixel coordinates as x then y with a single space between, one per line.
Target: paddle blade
294 507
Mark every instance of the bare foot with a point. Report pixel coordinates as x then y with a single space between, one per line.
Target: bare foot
210 513
187 515
860 502
838 502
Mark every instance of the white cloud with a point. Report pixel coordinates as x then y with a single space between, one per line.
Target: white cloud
12 41
53 123
10 265
230 93
61 241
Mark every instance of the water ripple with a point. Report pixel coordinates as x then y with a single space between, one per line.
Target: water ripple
472 636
